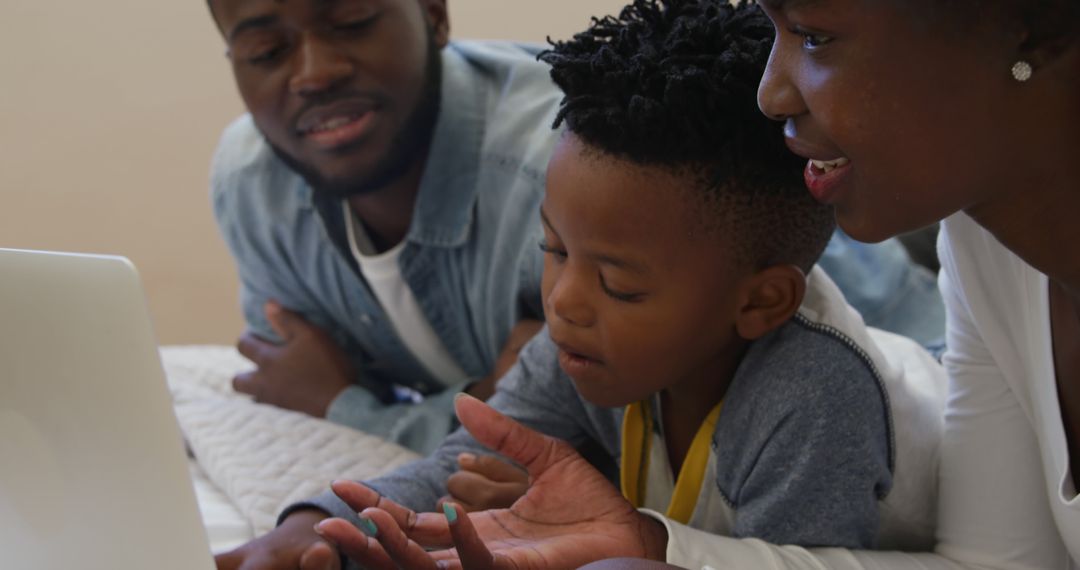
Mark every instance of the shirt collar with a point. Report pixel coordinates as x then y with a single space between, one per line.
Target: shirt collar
443 214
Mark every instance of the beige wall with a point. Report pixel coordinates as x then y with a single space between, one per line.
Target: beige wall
109 112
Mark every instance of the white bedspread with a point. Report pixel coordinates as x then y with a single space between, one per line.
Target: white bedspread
259 458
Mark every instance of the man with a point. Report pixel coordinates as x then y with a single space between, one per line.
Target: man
381 202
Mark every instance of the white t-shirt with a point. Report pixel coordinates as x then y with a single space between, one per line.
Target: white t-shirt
1007 499
383 275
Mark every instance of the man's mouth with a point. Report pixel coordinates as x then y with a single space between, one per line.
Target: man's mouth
338 124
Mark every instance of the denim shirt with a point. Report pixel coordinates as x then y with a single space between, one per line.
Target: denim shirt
470 258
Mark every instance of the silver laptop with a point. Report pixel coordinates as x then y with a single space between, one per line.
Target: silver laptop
93 472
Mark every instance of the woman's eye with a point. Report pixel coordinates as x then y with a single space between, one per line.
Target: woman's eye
811 40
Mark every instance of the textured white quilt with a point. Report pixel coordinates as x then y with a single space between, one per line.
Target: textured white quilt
261 457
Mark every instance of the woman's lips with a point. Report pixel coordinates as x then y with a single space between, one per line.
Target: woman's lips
823 178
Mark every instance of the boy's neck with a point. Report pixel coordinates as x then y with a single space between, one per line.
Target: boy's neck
684 407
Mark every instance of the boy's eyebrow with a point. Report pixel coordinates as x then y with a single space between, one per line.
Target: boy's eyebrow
252 23
601 258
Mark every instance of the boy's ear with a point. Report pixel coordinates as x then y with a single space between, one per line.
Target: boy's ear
767 299
438 18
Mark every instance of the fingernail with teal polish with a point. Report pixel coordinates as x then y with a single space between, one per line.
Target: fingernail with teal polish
369 527
450 512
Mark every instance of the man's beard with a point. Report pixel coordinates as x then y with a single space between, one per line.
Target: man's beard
409 145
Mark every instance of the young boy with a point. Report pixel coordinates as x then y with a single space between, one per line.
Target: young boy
691 343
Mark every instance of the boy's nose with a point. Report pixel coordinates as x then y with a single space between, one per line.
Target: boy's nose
320 66
567 302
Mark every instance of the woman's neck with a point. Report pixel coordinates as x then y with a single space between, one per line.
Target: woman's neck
1041 224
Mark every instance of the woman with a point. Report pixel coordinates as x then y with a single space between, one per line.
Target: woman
909 112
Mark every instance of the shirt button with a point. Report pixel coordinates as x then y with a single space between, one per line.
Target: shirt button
366 319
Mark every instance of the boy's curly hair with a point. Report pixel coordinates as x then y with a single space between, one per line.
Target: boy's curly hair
673 84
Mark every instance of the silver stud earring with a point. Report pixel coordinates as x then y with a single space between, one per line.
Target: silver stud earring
1021 71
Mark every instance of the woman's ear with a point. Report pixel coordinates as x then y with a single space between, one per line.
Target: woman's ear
767 299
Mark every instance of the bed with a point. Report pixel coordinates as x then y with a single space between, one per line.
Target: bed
248 460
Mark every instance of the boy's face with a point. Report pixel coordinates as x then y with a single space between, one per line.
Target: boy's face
346 91
637 297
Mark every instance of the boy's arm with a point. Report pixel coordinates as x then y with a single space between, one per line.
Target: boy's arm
534 392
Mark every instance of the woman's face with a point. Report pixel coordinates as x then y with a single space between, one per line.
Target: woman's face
914 108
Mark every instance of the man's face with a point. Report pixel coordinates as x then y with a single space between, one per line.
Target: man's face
636 301
345 91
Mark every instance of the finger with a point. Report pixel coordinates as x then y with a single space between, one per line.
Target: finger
472 551
535 451
320 556
406 553
427 529
246 382
493 468
286 324
354 544
253 348
469 507
230 560
474 490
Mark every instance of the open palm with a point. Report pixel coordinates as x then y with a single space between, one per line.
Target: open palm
570 516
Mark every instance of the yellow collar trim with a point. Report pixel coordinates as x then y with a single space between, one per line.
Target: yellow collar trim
637 431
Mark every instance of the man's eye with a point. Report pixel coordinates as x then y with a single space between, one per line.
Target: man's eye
355 25
267 55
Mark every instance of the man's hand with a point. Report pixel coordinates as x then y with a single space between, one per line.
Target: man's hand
520 335
292 546
485 482
570 516
304 373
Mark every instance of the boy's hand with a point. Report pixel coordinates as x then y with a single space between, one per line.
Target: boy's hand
304 373
292 546
570 516
485 482
520 335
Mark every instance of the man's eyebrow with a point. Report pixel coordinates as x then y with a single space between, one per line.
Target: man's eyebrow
253 23
601 258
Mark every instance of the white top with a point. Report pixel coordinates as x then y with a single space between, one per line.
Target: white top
383 275
1007 500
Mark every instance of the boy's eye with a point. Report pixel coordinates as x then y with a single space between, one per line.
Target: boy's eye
619 295
560 254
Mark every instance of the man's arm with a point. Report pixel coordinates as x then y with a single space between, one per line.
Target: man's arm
534 393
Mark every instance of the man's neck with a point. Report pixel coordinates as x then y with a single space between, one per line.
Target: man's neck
387 213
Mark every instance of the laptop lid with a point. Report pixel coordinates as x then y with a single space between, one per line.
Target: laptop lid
93 472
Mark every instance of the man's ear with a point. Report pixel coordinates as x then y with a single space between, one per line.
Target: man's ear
767 299
438 17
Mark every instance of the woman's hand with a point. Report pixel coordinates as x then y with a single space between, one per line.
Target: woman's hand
570 516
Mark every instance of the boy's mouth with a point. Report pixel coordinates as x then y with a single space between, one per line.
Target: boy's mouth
573 361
